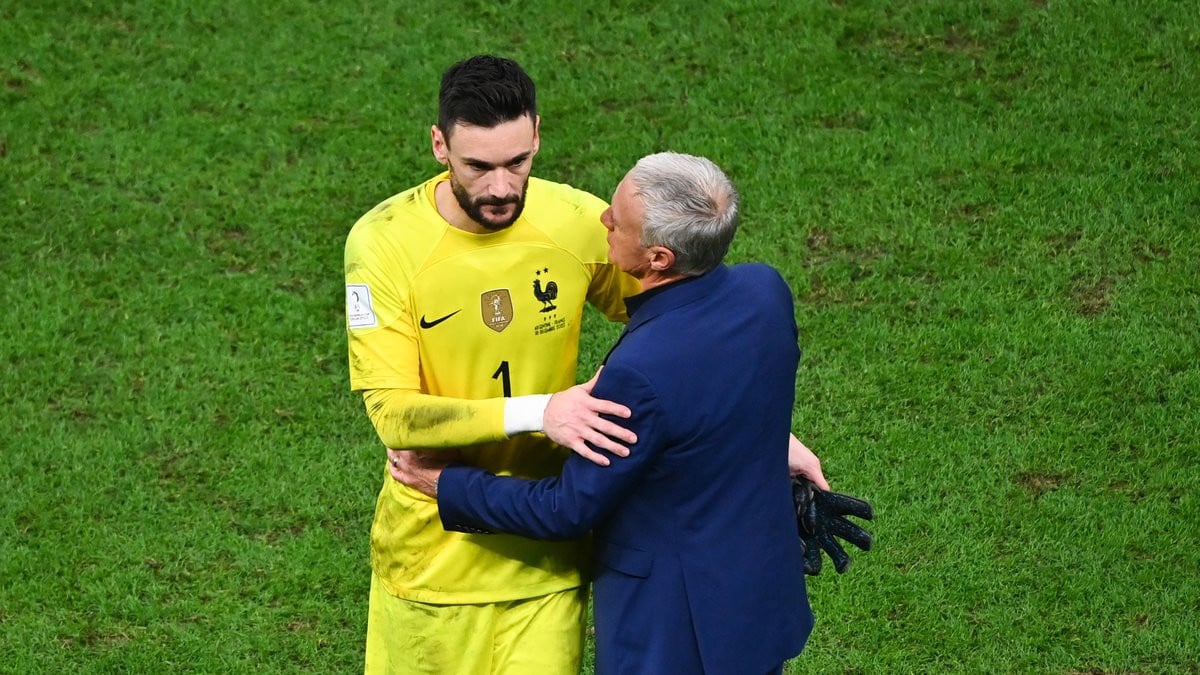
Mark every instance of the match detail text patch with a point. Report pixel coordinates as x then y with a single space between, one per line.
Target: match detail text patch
359 313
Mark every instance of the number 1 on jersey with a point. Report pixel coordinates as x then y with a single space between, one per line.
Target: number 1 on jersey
502 374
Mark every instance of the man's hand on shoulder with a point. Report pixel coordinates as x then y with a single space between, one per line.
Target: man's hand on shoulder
572 419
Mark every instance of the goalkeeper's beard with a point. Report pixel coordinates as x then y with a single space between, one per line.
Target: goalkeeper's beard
474 207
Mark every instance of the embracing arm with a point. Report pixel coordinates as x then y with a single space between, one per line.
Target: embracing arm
560 507
406 419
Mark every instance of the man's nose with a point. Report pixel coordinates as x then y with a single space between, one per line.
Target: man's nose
498 184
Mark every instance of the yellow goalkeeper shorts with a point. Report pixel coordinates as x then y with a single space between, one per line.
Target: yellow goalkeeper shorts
537 635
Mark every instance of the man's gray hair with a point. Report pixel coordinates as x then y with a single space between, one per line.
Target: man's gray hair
691 209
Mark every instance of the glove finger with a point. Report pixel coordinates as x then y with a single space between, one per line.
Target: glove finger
837 554
812 557
808 520
840 527
802 495
846 505
803 482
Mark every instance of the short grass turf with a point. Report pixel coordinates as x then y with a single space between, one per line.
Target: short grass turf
987 212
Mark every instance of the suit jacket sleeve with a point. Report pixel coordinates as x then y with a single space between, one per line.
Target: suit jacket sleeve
566 506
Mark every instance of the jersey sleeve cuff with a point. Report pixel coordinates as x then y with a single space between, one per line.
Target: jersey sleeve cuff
524 413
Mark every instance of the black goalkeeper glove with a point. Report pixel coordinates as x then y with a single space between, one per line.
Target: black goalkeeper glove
820 516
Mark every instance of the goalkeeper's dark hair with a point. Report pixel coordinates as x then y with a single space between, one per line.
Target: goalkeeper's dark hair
484 91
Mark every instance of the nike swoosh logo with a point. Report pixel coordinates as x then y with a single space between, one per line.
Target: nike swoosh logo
431 324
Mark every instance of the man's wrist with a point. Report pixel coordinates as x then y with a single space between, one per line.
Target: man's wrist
524 413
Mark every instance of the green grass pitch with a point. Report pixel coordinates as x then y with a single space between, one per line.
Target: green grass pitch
988 212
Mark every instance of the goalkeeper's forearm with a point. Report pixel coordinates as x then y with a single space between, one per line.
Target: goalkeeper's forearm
404 418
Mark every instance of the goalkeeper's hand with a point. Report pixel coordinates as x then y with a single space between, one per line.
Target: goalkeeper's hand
821 516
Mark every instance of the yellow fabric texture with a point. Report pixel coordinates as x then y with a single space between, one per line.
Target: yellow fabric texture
542 636
457 321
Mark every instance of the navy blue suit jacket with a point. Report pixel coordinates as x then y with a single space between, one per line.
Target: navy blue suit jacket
697 559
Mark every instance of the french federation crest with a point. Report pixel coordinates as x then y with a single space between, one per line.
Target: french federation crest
546 295
497 308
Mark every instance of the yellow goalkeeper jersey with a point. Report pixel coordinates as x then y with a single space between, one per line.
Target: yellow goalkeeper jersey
470 319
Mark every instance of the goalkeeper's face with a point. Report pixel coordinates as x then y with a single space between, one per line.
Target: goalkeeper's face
489 168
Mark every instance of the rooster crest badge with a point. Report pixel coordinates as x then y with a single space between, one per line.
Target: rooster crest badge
546 294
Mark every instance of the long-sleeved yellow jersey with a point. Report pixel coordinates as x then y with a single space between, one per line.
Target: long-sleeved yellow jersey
450 323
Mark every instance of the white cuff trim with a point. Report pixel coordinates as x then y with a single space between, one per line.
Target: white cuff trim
524 413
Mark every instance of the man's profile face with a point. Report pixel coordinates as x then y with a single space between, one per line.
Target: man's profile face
489 168
624 222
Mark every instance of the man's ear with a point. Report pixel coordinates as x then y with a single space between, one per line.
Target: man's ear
441 147
537 136
662 259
